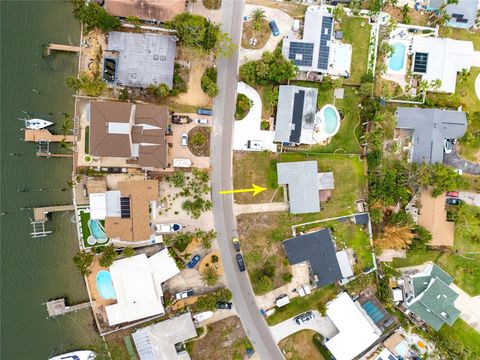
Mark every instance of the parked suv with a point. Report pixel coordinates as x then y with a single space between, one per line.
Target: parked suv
240 262
274 28
223 305
202 111
193 262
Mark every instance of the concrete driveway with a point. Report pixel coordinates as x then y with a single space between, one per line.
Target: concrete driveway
249 127
457 162
469 307
259 208
320 324
470 198
284 23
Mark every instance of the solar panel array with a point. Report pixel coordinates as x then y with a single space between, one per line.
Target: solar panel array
420 62
125 207
325 37
459 18
306 49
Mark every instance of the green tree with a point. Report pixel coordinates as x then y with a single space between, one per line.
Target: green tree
243 106
177 179
194 31
92 16
108 256
128 251
66 124
338 12
207 238
258 16
209 82
160 91
445 179
224 48
90 85
197 139
209 276
273 68
404 11
83 261
464 75
421 239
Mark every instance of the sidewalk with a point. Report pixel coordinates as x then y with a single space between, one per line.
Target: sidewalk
259 208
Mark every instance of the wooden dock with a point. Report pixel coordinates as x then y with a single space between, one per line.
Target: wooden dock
61 47
40 213
58 307
45 135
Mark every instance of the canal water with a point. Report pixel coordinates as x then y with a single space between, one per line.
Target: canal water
34 270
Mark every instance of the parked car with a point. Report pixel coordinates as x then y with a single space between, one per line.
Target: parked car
236 243
167 228
255 145
452 193
201 121
453 201
274 28
448 146
240 262
184 294
223 305
202 111
193 262
181 119
184 139
300 319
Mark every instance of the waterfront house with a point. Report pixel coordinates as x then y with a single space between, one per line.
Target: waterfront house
149 10
318 51
128 135
305 185
137 282
428 129
165 340
139 59
126 210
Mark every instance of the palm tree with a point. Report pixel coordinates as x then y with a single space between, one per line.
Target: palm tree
66 124
464 74
209 276
394 3
65 145
257 15
404 11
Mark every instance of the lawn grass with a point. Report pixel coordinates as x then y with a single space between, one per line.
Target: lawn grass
84 217
464 96
301 304
268 93
359 37
325 91
462 332
87 140
300 346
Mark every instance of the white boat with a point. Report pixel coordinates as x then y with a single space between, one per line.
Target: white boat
76 355
202 316
37 124
168 228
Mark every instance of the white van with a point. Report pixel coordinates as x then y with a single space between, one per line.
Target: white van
256 145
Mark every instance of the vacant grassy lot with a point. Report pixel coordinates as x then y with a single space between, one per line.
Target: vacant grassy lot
461 34
225 340
359 37
465 334
301 304
300 346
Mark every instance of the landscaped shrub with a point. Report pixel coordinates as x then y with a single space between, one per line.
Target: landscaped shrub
209 82
83 261
243 106
108 256
264 125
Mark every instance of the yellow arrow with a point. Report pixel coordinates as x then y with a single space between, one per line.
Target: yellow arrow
255 189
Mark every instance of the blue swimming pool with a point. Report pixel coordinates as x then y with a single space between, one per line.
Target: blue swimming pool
96 230
397 59
331 120
105 286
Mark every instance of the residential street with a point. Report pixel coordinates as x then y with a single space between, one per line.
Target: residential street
225 224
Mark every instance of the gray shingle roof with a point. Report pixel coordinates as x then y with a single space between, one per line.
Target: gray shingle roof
302 180
144 58
318 249
430 127
295 118
462 14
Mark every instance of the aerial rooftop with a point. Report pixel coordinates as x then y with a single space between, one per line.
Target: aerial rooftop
318 249
295 120
132 131
430 127
151 10
143 58
462 14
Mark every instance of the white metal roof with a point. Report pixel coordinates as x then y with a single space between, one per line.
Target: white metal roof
355 335
446 57
137 284
344 263
113 203
98 206
119 128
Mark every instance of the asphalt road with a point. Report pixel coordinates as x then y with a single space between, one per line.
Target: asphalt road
225 223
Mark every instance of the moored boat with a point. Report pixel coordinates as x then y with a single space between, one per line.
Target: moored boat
76 355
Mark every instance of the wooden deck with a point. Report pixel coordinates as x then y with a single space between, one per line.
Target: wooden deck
61 47
45 135
40 213
58 307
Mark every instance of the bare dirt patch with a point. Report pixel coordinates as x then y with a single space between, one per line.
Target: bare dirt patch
199 141
300 346
198 63
261 35
417 17
209 261
225 340
212 4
